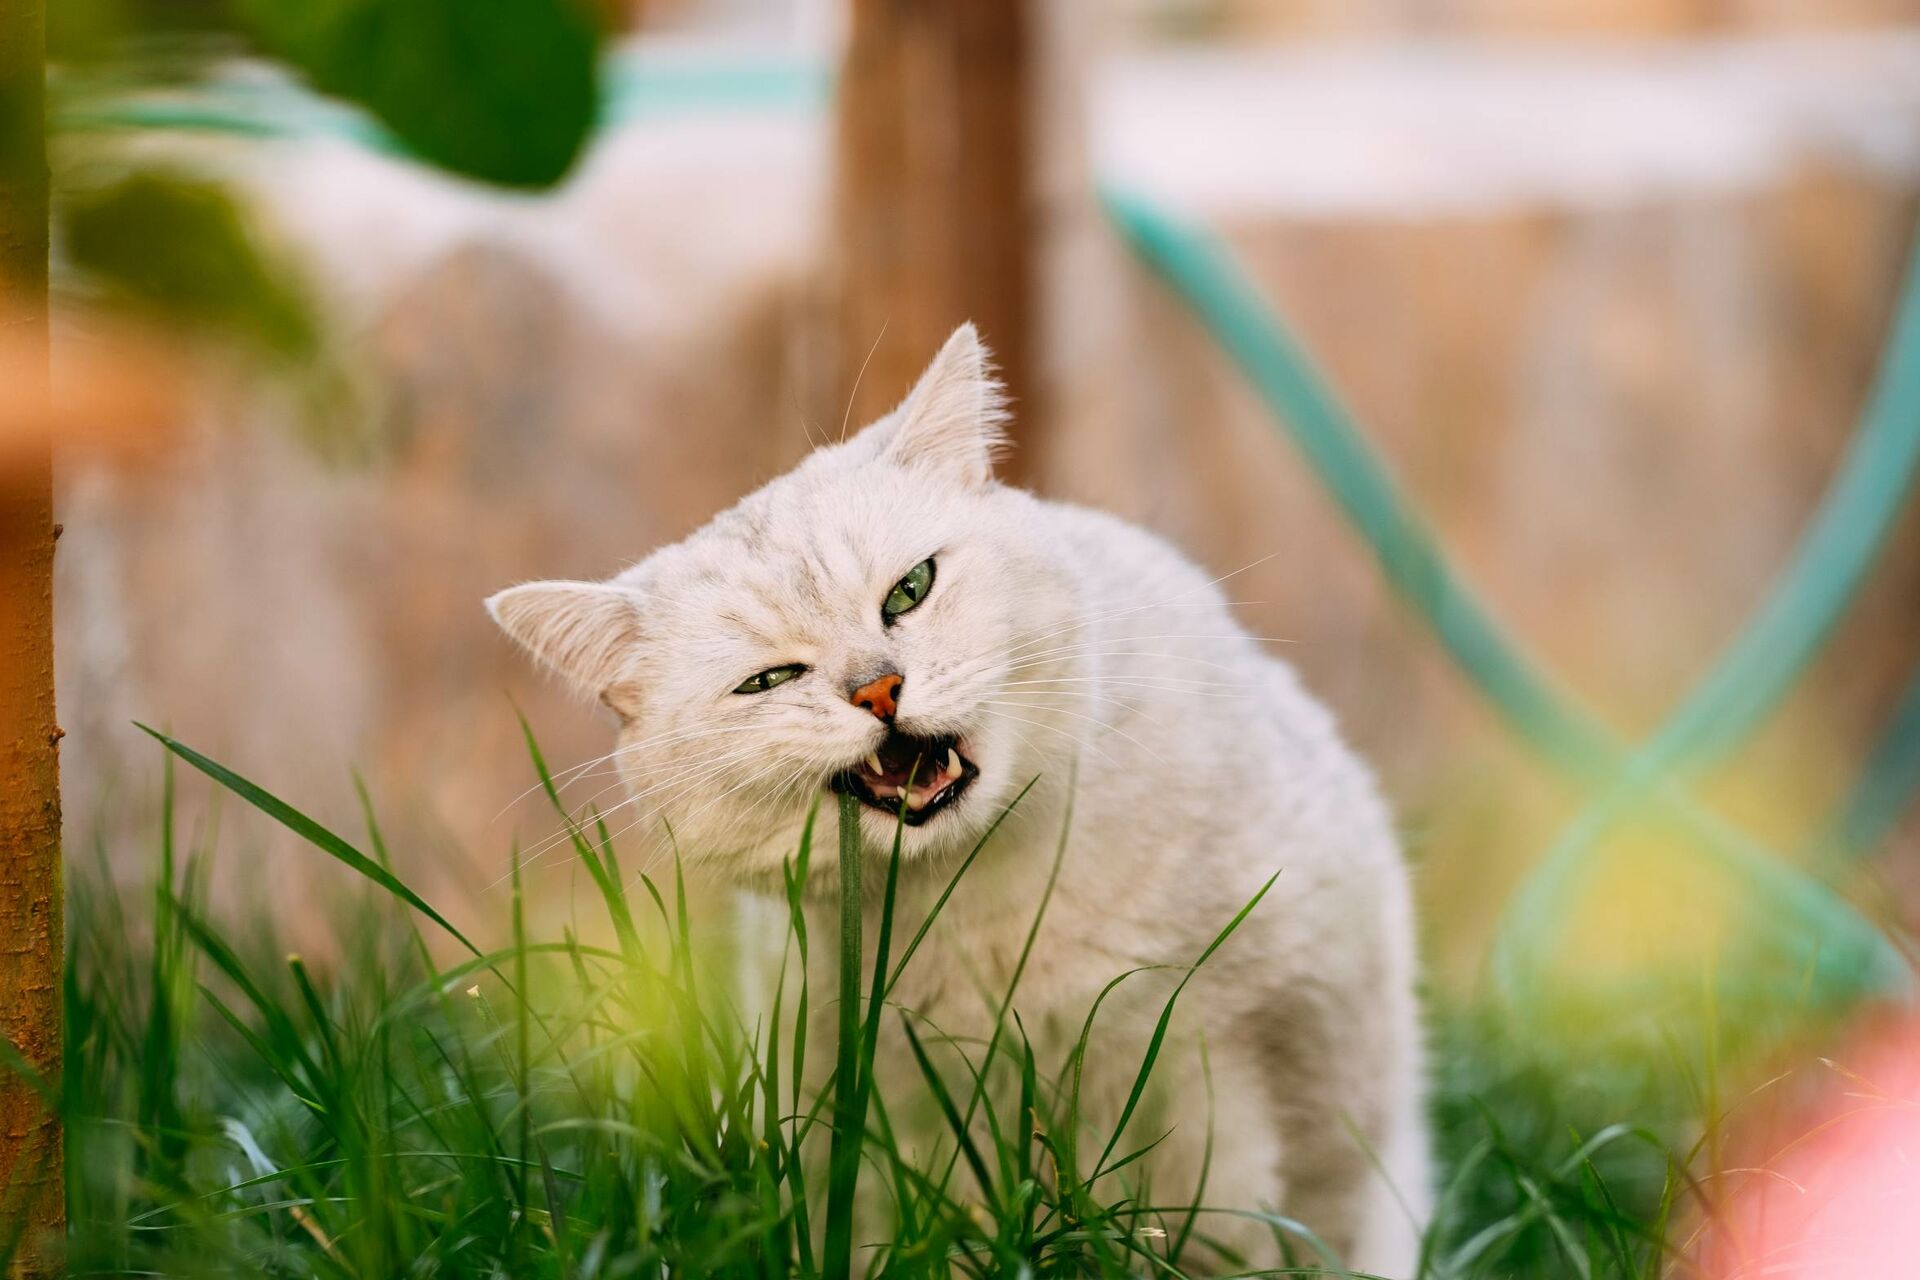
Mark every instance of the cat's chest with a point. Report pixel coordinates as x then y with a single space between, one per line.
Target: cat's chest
977 955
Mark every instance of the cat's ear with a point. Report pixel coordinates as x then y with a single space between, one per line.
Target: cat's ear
586 632
955 418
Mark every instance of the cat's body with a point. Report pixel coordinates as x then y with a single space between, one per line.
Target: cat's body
1184 764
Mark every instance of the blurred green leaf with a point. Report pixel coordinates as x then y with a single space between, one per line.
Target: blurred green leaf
500 90
180 248
83 30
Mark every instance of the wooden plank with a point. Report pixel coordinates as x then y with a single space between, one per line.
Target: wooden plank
934 210
31 934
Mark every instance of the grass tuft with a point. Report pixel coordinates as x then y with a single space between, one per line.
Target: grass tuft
556 1108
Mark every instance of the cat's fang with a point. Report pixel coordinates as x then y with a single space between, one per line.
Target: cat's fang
909 777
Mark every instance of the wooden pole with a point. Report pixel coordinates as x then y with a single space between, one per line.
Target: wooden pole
935 211
31 933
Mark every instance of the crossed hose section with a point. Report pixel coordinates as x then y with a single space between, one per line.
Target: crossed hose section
1843 955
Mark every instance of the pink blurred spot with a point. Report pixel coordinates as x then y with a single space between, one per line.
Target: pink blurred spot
1837 1193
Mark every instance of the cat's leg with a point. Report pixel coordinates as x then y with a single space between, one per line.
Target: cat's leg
1220 1153
1353 1118
1399 1196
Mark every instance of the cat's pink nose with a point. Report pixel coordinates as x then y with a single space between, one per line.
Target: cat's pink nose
879 697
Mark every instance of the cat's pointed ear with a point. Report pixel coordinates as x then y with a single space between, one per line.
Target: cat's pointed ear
586 632
955 418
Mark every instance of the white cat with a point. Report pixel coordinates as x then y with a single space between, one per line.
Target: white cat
888 606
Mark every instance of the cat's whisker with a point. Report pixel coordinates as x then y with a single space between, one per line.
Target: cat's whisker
687 818
1025 741
1095 720
1099 655
562 779
1096 619
567 777
1090 650
620 780
1164 677
1174 601
1083 697
1177 601
678 738
1132 696
775 793
1081 647
689 773
1092 702
1132 703
854 394
1074 738
752 778
1159 684
1026 651
690 778
797 786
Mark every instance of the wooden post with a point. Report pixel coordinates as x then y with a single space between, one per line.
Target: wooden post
935 212
32 1193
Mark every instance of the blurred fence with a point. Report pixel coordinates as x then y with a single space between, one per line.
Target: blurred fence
1806 921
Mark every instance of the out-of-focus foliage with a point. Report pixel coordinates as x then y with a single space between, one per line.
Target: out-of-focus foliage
179 248
506 91
503 91
178 255
116 31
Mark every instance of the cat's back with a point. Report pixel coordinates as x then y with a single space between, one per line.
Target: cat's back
1133 582
1150 614
1240 750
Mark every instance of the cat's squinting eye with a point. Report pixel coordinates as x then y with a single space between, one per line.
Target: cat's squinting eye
908 592
770 677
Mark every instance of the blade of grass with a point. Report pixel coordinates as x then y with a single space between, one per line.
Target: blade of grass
1159 1036
843 1160
309 830
948 1110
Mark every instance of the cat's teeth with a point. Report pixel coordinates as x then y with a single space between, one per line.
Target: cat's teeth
953 763
873 762
916 803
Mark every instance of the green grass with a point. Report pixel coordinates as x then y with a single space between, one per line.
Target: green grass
556 1107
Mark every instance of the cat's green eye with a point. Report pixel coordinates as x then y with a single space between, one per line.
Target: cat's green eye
908 592
770 677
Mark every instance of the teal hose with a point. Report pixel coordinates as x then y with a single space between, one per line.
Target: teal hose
1886 786
1769 654
1200 271
1844 952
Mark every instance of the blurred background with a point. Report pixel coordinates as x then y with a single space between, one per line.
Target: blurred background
1605 281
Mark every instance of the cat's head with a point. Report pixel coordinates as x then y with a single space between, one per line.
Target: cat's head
853 622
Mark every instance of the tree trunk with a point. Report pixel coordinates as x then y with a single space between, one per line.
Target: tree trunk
935 217
33 1198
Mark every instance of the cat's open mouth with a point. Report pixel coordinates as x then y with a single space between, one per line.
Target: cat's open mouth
939 771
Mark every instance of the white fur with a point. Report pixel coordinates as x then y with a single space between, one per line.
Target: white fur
1064 645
